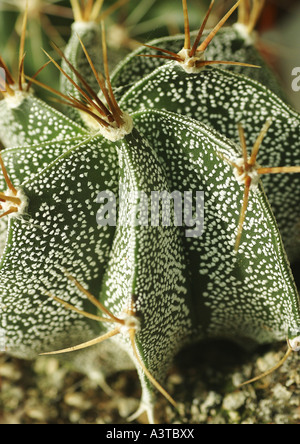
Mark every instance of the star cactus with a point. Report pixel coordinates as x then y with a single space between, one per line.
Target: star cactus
139 215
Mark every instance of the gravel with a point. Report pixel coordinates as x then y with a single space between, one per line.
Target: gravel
203 381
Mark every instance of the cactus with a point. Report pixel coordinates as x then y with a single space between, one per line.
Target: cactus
232 43
46 20
151 276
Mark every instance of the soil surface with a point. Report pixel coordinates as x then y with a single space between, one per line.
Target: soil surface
203 381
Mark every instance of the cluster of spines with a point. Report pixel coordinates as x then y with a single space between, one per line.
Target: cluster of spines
193 57
107 115
8 85
248 172
9 198
248 16
128 323
91 10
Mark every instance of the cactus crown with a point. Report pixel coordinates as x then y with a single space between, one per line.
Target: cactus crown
193 58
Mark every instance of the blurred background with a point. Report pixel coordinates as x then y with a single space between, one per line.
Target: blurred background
130 23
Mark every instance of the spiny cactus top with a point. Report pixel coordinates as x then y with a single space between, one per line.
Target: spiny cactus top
147 220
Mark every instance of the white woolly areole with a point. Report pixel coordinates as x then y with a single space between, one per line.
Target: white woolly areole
252 173
81 26
295 344
189 63
131 322
250 38
6 206
17 99
112 133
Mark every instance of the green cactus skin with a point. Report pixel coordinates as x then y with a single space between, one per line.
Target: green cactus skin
235 43
90 35
161 289
229 44
30 121
40 32
211 98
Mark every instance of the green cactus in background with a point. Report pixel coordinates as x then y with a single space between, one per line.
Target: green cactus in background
138 213
48 20
128 24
